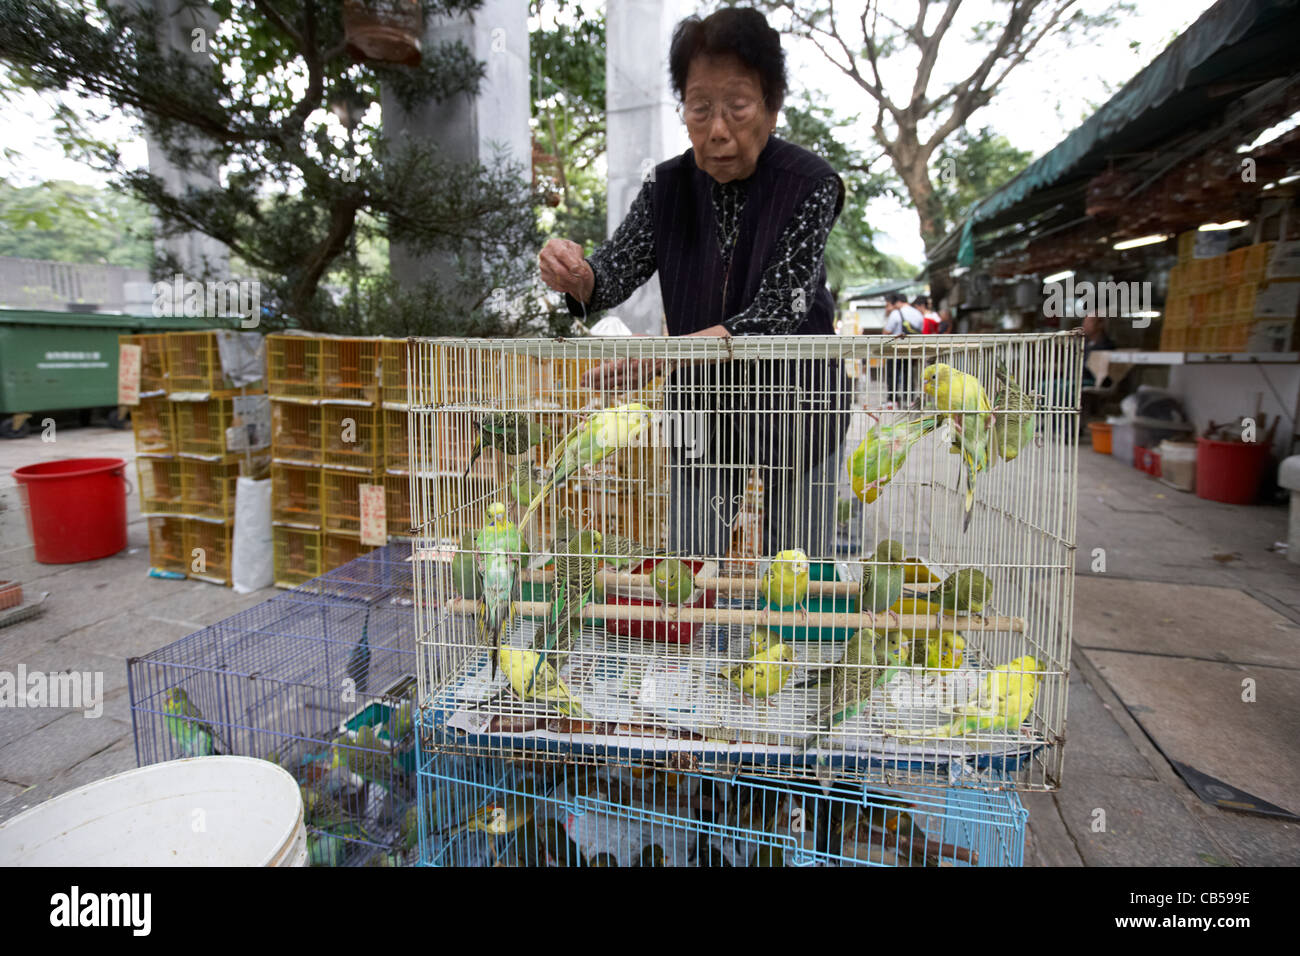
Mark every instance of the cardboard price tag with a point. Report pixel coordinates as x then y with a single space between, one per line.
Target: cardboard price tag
374 520
128 374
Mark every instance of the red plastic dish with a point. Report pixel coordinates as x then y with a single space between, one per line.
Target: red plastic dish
671 632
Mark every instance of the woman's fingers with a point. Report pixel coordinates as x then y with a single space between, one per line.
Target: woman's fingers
563 267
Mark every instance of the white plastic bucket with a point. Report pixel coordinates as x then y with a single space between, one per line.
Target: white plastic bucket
1178 464
204 811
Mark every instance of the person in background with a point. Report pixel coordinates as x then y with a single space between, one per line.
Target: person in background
900 319
929 321
1095 339
945 321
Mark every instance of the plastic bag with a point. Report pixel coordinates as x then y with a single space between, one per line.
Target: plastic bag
250 563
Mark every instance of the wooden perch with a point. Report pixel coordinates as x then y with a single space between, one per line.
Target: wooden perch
765 618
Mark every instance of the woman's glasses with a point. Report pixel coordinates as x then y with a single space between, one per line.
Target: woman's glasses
698 114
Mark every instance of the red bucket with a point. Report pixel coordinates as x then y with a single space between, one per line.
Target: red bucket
76 508
1230 471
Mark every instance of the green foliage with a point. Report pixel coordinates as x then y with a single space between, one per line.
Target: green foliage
568 111
70 222
297 189
972 166
851 254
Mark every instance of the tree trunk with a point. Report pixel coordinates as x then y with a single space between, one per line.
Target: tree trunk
302 296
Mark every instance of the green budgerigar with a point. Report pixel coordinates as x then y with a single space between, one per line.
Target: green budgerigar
533 678
511 433
962 398
1013 422
1005 701
525 483
500 548
785 584
673 581
964 592
607 431
882 453
882 580
575 584
870 660
191 734
764 673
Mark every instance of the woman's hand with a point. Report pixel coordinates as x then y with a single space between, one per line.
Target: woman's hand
565 270
621 375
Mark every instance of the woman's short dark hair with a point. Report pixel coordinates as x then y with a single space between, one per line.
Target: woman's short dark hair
741 32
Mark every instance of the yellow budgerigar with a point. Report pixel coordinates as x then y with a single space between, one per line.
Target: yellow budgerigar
785 584
963 399
765 673
532 678
1005 701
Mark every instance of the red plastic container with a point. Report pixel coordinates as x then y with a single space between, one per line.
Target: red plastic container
1230 471
1144 459
76 508
672 632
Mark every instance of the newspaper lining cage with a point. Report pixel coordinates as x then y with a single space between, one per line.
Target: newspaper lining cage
792 556
491 811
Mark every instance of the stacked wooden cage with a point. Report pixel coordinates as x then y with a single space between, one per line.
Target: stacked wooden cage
338 433
188 411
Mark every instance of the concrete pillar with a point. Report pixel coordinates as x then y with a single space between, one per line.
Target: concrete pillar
641 122
199 255
467 129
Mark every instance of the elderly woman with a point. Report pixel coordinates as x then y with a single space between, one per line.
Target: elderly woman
736 228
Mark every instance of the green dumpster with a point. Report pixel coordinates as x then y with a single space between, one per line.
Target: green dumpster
56 361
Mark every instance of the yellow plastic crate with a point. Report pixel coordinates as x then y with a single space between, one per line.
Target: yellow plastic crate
194 366
341 548
160 485
350 369
1216 269
296 495
293 367
207 550
1236 262
1186 246
1244 305
295 433
296 556
1256 262
352 438
397 504
152 422
208 488
394 393
167 545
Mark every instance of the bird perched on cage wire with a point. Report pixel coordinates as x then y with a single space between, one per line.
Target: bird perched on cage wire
525 483
1013 425
369 757
358 668
870 660
511 433
785 583
575 584
882 453
882 581
967 590
533 678
962 398
936 650
673 581
191 734
766 671
1005 701
497 818
500 548
607 431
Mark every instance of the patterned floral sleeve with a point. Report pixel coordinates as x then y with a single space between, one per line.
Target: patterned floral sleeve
794 267
625 262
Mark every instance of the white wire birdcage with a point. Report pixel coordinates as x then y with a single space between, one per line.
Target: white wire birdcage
735 492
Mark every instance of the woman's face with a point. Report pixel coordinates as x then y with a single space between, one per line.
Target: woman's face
728 142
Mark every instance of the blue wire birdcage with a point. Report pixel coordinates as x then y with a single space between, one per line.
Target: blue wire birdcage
484 811
319 679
